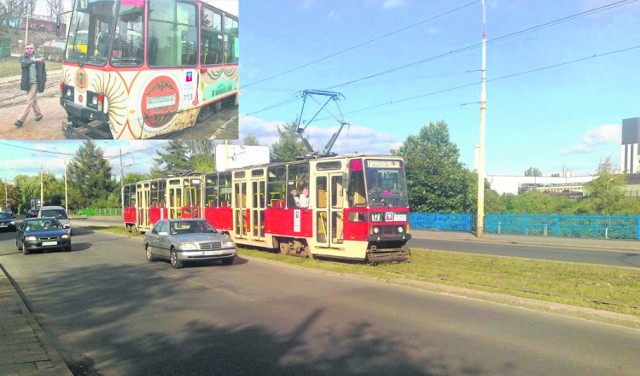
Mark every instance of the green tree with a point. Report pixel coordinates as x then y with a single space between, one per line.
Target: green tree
134 177
178 157
437 181
202 155
90 183
250 140
11 194
29 189
172 159
289 145
532 171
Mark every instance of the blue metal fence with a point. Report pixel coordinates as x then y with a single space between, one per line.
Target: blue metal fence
574 226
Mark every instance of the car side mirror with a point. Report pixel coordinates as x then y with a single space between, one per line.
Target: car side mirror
66 226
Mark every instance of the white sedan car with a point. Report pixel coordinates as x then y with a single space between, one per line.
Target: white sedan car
185 240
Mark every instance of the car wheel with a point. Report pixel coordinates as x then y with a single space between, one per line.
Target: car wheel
177 264
25 250
67 249
227 261
150 256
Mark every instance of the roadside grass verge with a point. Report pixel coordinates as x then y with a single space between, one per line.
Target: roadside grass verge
595 287
9 66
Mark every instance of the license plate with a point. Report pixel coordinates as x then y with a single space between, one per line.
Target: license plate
49 243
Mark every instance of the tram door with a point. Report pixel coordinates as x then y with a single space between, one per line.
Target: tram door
174 188
329 194
143 191
240 209
258 204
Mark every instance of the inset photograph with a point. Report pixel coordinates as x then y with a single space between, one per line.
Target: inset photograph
124 70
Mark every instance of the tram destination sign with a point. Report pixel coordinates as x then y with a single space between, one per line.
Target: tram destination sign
382 164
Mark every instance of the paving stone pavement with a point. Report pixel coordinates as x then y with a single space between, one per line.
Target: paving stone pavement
25 349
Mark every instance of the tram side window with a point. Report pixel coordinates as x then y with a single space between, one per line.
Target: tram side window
298 177
276 186
211 43
211 191
225 189
173 36
232 41
128 43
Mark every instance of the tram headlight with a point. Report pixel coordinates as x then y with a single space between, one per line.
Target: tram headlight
400 230
376 230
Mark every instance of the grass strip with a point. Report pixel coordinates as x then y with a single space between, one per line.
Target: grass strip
10 66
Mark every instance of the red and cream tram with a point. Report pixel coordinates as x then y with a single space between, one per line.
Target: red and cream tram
356 208
137 69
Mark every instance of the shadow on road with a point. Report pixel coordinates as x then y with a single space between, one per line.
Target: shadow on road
107 299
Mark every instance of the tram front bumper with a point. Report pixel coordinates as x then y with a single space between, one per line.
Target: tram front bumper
388 255
82 112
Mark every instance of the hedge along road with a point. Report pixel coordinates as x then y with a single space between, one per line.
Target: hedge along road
115 313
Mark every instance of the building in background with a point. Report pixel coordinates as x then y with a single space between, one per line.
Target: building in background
629 152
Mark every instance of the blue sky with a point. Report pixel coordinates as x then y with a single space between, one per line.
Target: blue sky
561 75
556 95
27 157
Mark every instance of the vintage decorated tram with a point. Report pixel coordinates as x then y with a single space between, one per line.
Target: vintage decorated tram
357 206
137 69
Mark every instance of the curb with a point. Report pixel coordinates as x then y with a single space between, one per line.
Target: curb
32 361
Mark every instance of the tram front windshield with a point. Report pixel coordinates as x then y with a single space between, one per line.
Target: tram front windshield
378 182
97 33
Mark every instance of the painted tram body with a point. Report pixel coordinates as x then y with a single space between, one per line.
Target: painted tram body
357 206
137 69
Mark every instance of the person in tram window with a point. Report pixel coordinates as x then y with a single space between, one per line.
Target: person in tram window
103 40
293 199
303 200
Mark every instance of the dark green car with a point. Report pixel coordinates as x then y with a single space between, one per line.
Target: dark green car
7 222
42 234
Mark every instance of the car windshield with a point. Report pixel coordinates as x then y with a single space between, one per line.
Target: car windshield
5 215
42 224
56 213
191 227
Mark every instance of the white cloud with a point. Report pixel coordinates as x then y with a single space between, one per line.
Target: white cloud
352 139
393 3
596 137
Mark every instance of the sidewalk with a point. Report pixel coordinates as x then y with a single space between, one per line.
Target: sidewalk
25 349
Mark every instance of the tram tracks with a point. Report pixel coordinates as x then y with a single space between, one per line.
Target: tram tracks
11 95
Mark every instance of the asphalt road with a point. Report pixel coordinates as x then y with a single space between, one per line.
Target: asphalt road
113 313
611 256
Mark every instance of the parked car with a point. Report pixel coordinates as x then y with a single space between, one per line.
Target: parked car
42 234
7 222
57 212
31 213
184 240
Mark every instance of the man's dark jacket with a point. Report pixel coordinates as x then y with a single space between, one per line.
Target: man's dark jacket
41 73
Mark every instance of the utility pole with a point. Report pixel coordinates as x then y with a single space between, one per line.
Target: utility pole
41 187
483 109
121 181
6 195
66 198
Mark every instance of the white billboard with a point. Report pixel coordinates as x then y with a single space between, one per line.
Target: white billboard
235 156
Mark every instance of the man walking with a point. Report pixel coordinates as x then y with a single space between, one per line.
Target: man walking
34 76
